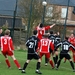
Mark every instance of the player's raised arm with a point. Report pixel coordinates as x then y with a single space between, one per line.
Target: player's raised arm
52 25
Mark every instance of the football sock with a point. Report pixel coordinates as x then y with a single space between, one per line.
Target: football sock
72 65
51 62
58 63
38 66
17 64
54 60
46 60
7 62
25 65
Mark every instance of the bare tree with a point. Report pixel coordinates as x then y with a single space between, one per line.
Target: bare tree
36 12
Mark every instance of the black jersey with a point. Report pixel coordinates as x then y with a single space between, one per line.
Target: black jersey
65 46
52 38
57 39
32 44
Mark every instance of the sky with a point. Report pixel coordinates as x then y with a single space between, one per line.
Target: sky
8 6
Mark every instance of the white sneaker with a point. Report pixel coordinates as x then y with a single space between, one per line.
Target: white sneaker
46 64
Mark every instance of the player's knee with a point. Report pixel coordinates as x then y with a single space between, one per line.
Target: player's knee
28 61
13 57
39 60
70 59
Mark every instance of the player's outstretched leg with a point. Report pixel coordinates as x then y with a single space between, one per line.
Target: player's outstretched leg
24 67
51 63
37 68
58 64
16 62
8 63
72 65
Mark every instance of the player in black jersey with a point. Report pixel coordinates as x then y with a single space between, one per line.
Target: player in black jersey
52 38
65 46
32 45
57 40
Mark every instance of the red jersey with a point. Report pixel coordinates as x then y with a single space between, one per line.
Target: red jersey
72 40
41 31
45 44
6 43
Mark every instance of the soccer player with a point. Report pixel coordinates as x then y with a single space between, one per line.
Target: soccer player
44 45
53 38
32 45
7 48
65 46
1 35
42 29
57 40
72 41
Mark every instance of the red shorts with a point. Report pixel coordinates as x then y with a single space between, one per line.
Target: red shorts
9 53
47 55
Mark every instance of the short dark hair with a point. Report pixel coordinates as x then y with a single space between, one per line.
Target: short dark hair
51 32
35 32
66 38
41 25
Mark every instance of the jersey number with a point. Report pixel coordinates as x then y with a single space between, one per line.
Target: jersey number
65 47
31 45
5 41
44 43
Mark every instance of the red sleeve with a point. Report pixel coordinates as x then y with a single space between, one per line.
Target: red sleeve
52 46
39 43
0 42
11 44
47 27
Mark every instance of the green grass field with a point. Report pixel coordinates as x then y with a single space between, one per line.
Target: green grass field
64 69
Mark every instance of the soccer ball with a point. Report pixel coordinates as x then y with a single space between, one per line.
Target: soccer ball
44 3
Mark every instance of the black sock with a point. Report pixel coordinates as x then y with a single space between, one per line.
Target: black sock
54 59
25 65
58 63
46 60
38 66
72 65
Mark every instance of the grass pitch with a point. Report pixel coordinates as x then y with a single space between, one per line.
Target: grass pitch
64 69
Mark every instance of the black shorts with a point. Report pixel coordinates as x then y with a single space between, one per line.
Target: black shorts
66 55
32 56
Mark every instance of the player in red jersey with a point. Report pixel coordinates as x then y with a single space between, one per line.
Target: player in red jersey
44 46
72 41
7 48
41 29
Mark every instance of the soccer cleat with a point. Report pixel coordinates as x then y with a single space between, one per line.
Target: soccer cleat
73 70
20 68
23 72
46 64
9 67
38 72
56 68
